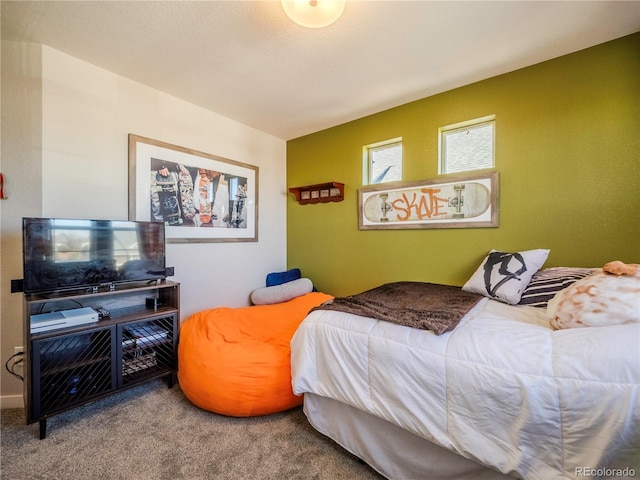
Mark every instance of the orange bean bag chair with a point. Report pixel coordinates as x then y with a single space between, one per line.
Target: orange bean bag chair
237 361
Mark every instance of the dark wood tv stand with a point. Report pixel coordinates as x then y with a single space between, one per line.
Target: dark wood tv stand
69 367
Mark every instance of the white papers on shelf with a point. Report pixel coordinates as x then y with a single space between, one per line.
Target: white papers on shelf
142 336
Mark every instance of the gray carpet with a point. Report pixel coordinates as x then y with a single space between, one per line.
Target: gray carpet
152 432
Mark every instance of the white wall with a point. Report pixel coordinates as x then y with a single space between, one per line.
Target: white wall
86 116
21 149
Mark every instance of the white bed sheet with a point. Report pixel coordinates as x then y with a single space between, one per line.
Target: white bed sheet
502 388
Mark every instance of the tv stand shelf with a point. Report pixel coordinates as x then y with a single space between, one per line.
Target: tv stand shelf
69 367
70 294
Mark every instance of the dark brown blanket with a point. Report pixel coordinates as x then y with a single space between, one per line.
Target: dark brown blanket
427 306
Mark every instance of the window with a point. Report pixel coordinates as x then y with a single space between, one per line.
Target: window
382 162
467 146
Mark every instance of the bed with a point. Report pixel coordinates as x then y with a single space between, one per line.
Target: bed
501 394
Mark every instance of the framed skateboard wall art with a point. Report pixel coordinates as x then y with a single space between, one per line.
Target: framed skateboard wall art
200 197
460 201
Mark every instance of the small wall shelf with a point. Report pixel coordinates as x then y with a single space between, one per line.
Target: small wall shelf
320 193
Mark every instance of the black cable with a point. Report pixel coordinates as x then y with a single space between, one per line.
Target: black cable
13 365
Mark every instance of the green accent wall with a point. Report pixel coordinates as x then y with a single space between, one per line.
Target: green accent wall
568 152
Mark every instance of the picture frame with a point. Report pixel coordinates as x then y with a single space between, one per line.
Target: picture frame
451 201
199 196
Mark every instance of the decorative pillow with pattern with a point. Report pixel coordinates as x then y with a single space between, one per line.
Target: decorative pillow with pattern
504 276
599 300
549 281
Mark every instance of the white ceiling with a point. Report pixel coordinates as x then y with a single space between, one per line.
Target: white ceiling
247 61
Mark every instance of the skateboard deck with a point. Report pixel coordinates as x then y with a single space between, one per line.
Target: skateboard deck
185 184
238 208
458 200
156 215
167 188
204 203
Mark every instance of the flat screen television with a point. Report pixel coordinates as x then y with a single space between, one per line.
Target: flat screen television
64 254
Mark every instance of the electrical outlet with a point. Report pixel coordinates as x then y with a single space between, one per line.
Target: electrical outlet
17 367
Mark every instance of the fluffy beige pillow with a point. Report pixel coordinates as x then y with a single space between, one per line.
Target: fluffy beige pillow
599 300
281 293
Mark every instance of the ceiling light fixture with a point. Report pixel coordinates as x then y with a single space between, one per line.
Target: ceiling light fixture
314 13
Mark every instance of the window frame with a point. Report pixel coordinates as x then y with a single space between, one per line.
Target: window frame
461 126
367 167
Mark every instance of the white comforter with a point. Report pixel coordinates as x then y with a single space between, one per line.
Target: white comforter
502 388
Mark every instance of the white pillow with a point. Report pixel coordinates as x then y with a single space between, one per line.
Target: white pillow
598 300
504 276
281 293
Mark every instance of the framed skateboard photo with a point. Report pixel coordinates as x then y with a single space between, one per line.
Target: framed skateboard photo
200 197
452 201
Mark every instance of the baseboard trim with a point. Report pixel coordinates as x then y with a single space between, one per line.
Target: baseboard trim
11 401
